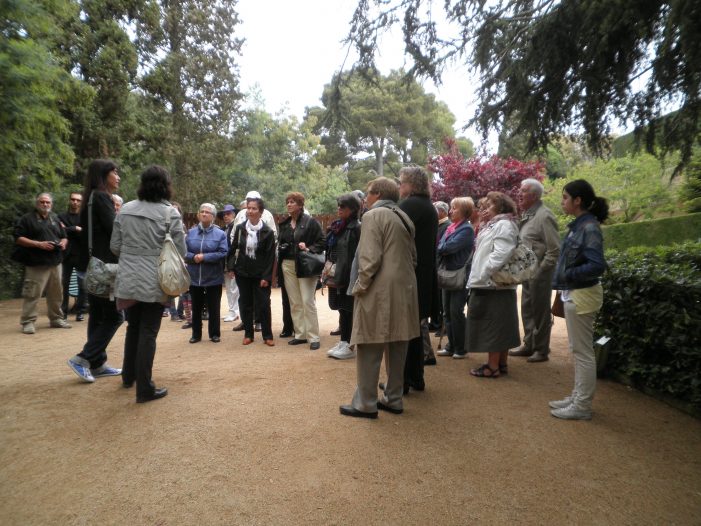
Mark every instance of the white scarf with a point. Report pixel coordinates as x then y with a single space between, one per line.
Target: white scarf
252 238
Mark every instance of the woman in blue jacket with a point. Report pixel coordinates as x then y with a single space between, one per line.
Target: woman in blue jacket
578 281
454 249
206 250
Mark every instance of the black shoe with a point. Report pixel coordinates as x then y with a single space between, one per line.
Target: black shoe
187 325
157 393
314 346
215 339
416 387
128 385
336 332
286 334
430 361
295 341
79 317
349 410
389 409
239 327
195 339
257 327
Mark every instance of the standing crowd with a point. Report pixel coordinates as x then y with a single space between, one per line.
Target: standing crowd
396 265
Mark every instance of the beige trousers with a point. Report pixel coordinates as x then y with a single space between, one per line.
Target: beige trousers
301 292
580 333
368 362
36 281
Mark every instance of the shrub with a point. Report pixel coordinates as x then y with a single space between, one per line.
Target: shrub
652 233
652 312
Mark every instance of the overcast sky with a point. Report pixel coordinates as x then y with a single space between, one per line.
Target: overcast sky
293 48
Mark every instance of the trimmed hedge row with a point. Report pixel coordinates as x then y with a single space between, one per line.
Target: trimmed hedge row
652 313
653 232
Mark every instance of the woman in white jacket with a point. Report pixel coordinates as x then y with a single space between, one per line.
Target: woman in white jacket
137 238
492 316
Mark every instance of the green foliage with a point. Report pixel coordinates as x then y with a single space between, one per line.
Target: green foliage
386 117
547 68
653 233
652 312
635 186
691 190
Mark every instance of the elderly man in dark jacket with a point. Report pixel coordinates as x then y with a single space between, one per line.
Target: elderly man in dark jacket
415 192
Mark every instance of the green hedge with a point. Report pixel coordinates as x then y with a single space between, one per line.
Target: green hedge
653 232
652 312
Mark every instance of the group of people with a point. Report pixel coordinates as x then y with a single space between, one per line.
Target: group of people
378 259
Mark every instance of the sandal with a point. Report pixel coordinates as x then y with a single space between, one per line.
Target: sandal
480 372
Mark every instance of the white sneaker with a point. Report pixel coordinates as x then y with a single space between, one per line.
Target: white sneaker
333 349
344 352
231 318
560 404
444 352
28 328
571 412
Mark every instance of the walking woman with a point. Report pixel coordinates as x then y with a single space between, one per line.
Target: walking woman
251 259
300 232
101 181
341 243
578 281
137 239
492 316
206 249
454 249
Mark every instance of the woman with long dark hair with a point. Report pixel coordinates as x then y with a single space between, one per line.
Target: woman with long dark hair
342 240
578 281
137 238
101 181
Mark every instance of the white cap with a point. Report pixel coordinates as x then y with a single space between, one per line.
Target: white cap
253 195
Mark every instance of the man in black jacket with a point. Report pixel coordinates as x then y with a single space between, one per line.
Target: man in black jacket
415 194
40 240
70 220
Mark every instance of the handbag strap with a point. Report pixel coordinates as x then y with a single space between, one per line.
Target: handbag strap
90 224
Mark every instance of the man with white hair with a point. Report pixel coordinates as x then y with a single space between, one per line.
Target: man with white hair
40 241
538 230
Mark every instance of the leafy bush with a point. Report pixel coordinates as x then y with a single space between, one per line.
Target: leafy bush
652 312
652 233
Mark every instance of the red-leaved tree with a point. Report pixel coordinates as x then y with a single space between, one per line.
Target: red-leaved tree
476 176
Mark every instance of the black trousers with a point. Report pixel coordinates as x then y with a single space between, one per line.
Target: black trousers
287 325
454 312
414 366
345 320
210 296
103 322
67 269
254 302
140 346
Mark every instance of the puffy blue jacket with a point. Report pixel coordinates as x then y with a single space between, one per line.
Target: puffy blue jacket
212 243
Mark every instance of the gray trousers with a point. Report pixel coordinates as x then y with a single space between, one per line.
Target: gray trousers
580 333
368 361
535 313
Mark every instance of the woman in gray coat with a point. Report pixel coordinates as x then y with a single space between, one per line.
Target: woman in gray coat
137 239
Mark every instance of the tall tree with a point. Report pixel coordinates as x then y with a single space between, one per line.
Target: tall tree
554 67
195 77
383 116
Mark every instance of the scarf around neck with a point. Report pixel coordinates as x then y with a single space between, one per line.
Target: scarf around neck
252 238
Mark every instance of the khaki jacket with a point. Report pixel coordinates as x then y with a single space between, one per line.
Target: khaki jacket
386 299
538 230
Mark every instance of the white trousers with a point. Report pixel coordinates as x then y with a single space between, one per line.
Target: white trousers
580 333
232 295
302 292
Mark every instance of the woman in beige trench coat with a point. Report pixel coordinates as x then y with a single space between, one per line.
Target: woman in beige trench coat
385 312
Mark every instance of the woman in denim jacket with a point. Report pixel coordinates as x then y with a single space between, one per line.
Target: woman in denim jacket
577 280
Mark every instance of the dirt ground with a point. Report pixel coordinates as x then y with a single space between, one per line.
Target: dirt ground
252 435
